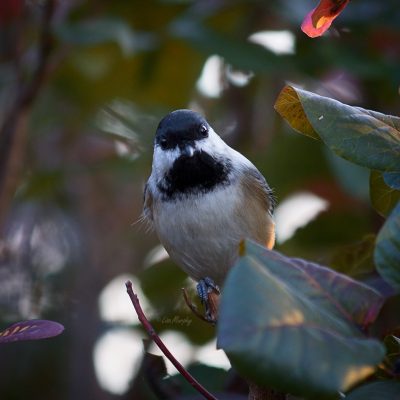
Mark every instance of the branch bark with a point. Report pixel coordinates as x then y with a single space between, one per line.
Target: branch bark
150 330
13 133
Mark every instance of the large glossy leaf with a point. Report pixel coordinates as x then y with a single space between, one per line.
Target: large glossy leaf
295 326
385 390
383 197
30 330
388 320
387 250
365 137
355 259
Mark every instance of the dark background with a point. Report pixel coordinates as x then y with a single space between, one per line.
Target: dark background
84 99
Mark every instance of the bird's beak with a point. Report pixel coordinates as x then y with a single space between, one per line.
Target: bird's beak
187 150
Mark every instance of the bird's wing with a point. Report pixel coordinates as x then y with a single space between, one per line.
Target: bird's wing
258 207
259 187
147 204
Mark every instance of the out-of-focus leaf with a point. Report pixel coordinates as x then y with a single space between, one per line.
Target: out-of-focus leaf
392 344
213 378
298 322
383 197
103 30
356 258
365 137
392 179
155 374
43 184
321 17
162 283
34 329
386 390
387 250
241 54
388 321
353 178
131 129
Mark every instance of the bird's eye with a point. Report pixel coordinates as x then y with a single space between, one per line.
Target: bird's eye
164 143
203 130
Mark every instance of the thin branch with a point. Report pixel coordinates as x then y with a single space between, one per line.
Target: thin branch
13 132
192 307
150 330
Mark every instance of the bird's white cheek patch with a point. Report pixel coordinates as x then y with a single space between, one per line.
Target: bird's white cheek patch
163 160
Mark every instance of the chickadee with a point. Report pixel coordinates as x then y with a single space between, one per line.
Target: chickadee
203 198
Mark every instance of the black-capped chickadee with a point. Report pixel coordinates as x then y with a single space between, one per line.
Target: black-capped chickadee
203 198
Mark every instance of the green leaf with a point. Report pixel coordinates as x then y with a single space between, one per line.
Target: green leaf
392 344
214 379
103 30
162 284
387 250
392 179
388 320
241 54
383 197
385 390
353 178
364 137
355 259
294 325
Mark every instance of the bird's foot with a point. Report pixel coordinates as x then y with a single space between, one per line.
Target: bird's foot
209 293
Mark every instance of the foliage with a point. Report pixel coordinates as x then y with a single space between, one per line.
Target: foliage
30 330
296 325
110 71
299 322
321 17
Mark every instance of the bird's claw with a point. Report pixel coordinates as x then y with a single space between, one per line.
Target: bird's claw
208 291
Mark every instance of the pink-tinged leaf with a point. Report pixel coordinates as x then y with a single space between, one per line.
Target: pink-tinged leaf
294 315
320 18
34 329
353 300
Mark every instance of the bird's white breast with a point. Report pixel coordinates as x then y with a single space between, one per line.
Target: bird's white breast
199 231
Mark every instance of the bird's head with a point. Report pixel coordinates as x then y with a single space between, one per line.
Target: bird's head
184 134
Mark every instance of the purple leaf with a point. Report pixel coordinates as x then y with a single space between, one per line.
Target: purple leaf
34 329
353 300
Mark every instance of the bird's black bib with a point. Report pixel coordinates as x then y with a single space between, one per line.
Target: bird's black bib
191 175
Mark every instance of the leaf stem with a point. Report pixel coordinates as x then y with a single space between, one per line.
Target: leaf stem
152 333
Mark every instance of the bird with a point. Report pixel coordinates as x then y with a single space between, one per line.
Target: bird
203 198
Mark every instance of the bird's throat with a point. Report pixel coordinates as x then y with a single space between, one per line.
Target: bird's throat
191 175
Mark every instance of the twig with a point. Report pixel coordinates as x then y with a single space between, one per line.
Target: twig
150 330
192 307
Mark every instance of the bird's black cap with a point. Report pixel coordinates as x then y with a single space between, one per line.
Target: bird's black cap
181 127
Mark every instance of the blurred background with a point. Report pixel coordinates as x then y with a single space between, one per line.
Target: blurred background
83 85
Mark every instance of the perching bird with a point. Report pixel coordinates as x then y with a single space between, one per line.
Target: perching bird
203 198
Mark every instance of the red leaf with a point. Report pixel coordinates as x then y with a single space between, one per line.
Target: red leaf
320 18
30 330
